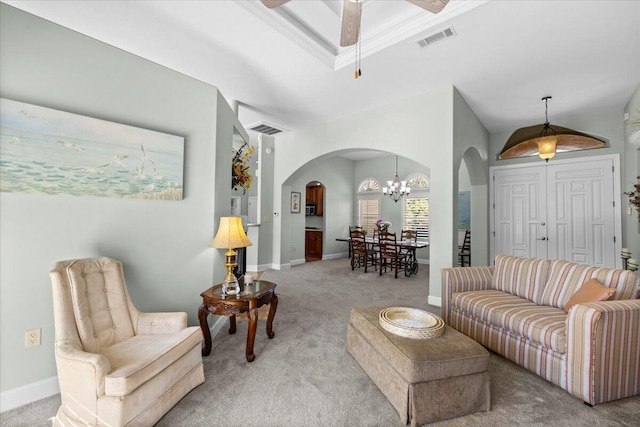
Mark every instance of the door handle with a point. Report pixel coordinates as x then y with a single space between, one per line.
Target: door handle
542 238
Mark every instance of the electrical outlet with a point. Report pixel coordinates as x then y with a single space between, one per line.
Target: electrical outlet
32 338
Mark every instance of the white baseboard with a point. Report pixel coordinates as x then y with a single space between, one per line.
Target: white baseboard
260 267
437 301
28 393
335 256
297 261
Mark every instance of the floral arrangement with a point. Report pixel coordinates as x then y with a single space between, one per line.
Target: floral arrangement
634 196
240 174
383 225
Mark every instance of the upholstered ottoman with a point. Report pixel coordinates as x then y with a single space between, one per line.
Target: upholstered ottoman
425 380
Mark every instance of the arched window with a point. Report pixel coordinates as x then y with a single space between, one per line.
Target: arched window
369 185
368 203
415 206
418 182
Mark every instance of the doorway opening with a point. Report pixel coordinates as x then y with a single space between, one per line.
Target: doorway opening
314 221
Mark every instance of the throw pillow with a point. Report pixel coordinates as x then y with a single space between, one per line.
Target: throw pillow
590 291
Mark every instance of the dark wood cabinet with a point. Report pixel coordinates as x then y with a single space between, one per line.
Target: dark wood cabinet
313 245
311 194
315 195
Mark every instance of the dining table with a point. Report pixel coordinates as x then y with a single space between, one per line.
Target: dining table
412 264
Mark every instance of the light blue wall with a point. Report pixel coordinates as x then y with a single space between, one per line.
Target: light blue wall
164 245
631 165
265 249
336 175
420 128
471 143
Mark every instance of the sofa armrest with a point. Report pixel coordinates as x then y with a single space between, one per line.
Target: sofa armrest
462 279
603 350
81 375
161 323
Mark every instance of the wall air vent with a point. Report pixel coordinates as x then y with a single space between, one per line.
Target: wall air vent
265 128
436 37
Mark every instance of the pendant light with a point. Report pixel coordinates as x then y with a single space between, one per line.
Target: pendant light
548 138
545 140
396 189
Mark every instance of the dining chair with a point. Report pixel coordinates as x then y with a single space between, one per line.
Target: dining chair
389 254
351 228
362 254
465 250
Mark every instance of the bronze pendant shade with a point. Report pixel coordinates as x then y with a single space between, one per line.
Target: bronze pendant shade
539 139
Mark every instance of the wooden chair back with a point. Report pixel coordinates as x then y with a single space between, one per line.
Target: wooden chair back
357 241
464 253
466 243
387 244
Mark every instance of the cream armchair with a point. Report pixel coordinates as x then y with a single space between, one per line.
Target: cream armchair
116 365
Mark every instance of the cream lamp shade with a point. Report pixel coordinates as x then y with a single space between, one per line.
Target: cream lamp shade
230 235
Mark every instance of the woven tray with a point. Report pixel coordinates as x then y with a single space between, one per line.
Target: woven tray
411 322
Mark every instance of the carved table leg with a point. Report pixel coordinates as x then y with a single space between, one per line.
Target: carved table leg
232 324
251 334
272 314
203 313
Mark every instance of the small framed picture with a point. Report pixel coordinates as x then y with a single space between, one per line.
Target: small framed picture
295 202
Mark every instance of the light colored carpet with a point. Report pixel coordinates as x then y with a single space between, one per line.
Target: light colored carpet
305 377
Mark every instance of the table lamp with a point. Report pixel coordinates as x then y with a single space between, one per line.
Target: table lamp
230 235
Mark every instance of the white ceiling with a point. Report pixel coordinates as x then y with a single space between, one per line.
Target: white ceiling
285 66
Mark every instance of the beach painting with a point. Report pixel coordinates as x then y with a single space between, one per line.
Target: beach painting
46 151
464 210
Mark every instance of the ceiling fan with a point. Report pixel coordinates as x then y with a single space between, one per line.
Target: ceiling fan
352 13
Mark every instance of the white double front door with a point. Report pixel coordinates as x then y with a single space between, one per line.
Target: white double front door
557 211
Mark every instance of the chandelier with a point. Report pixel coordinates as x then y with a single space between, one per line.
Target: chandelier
396 188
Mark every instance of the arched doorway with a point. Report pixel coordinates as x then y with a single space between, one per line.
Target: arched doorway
473 205
314 221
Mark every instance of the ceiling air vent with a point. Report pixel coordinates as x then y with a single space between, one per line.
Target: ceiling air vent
265 128
436 37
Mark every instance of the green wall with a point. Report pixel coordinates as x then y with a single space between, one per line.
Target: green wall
631 165
420 128
336 175
164 245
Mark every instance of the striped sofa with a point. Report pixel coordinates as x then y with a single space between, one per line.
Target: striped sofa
515 308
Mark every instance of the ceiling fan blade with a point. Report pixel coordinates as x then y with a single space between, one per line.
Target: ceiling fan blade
433 6
273 3
351 15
